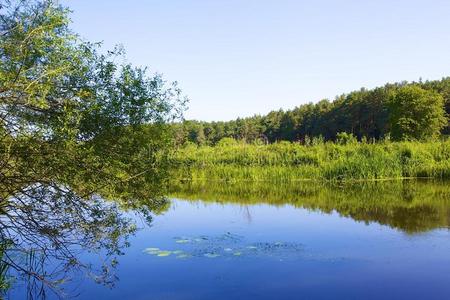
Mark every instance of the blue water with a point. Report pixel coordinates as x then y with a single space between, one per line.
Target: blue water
233 251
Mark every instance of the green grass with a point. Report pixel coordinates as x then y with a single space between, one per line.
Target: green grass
286 161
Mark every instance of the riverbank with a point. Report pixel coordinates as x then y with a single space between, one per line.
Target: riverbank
285 161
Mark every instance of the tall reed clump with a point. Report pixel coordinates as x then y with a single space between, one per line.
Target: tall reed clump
285 161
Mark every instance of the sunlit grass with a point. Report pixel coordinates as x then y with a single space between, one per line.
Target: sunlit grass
326 161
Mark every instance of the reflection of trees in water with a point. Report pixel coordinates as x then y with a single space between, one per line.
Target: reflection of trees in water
59 201
411 205
247 214
46 227
56 204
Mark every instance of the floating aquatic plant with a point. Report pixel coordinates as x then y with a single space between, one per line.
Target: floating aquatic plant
182 241
164 253
151 249
211 255
219 246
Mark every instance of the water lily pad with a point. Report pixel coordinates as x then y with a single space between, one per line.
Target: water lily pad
252 247
151 249
184 256
211 255
237 253
182 241
164 253
177 252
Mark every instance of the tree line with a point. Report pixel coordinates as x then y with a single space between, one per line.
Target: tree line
400 111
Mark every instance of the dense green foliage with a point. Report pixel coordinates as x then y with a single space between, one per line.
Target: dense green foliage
284 161
55 85
416 113
404 110
409 205
67 111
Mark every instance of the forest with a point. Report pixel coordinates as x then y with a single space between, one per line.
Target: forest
399 111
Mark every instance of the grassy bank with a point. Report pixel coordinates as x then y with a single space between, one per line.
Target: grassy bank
323 161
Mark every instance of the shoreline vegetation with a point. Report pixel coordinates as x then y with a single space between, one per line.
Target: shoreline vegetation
396 131
344 160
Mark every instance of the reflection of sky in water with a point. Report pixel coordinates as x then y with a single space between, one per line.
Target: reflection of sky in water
284 253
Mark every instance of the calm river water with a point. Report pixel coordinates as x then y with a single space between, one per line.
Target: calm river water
297 241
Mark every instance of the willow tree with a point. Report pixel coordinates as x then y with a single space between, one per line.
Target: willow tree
74 123
59 92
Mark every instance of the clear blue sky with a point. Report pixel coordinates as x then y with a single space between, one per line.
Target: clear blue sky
237 58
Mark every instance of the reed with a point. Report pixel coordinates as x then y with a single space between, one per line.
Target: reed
285 161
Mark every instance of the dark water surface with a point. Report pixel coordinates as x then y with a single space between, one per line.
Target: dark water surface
297 241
